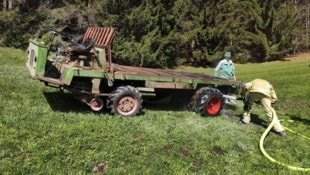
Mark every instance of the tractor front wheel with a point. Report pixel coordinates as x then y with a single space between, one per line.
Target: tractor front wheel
96 104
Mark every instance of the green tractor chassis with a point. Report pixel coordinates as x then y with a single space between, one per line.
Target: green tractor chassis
86 70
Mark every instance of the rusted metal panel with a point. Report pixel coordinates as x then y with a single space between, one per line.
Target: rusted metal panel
51 80
129 70
102 36
168 85
161 77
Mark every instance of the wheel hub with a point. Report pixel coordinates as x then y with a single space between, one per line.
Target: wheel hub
213 105
96 104
127 104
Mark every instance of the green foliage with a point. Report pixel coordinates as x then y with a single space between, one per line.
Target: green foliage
17 27
168 33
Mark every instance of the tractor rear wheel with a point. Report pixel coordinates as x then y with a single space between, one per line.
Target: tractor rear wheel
207 102
125 101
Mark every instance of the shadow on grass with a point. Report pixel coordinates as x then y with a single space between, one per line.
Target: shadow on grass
257 120
180 103
229 106
174 102
165 106
301 120
262 122
65 102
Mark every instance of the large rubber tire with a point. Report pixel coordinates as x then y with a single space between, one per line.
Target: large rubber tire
207 102
125 101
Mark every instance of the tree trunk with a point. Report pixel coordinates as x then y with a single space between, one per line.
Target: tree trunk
307 24
88 3
5 5
10 5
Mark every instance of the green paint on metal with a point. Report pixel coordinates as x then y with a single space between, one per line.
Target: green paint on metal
68 76
102 60
169 85
140 77
193 82
110 78
41 58
96 84
69 73
194 85
89 73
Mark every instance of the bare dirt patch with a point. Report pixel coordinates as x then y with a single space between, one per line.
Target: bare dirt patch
298 56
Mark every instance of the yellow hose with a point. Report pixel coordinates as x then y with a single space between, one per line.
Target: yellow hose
288 129
261 145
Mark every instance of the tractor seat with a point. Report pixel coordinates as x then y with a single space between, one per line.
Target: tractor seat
83 48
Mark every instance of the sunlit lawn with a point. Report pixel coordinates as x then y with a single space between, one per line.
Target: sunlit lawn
43 131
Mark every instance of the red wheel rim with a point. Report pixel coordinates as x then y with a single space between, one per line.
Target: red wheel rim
127 105
96 104
213 105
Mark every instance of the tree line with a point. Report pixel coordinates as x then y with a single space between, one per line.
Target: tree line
164 33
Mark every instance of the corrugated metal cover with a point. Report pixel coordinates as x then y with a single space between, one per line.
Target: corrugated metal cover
102 36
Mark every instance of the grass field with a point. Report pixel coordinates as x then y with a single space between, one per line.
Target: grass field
43 131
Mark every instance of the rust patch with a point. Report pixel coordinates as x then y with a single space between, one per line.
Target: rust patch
185 151
168 85
102 36
140 138
167 148
99 168
218 150
197 162
130 70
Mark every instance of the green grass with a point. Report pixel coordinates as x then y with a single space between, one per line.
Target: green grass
43 131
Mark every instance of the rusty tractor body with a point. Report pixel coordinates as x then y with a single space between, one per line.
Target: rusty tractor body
86 70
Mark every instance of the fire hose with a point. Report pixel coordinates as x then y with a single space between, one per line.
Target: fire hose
261 145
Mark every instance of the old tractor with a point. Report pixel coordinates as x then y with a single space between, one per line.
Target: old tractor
85 69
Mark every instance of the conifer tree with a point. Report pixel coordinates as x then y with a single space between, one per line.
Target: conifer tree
165 33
